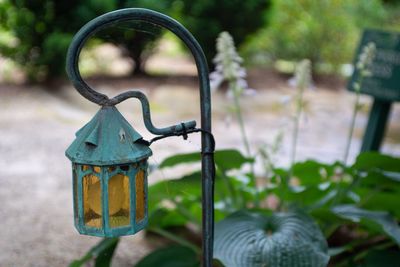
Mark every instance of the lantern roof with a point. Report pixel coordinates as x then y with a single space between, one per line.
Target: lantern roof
107 139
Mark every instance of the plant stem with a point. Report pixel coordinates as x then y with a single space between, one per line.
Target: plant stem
175 238
239 116
299 107
231 189
353 122
363 67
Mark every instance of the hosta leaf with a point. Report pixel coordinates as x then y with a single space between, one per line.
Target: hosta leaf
382 180
101 253
230 159
380 200
173 256
382 218
180 159
309 172
309 196
374 160
163 218
225 159
247 239
189 185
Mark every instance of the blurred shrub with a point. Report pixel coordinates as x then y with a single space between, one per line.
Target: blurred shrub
207 18
393 10
42 31
322 31
138 45
39 32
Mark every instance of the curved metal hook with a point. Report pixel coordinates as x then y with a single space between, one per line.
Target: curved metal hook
164 21
147 116
129 14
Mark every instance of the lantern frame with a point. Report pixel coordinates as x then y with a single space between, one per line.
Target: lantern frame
207 140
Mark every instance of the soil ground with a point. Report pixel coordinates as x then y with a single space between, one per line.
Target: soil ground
37 125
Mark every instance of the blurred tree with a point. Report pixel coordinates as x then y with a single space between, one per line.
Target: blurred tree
138 45
322 31
207 18
40 31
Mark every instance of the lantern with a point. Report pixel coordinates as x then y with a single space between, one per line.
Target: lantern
109 158
109 162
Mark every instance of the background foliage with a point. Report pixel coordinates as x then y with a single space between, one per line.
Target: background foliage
207 18
40 32
324 32
36 34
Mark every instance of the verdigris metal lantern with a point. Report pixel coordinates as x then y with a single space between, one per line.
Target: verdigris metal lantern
109 158
109 176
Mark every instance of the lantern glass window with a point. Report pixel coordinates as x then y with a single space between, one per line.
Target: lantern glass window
119 201
92 208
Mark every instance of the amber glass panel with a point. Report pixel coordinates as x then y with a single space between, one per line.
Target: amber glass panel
140 197
118 201
92 201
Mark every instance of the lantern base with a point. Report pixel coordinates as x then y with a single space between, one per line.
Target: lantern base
111 232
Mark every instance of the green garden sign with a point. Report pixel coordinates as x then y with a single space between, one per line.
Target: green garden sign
383 85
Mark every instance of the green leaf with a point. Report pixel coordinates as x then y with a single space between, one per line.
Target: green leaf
279 240
309 172
101 253
230 159
311 196
176 202
225 159
380 200
381 258
180 159
172 256
374 160
164 218
337 250
394 176
376 179
386 222
189 186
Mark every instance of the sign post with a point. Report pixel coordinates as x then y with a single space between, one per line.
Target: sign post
376 126
383 85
